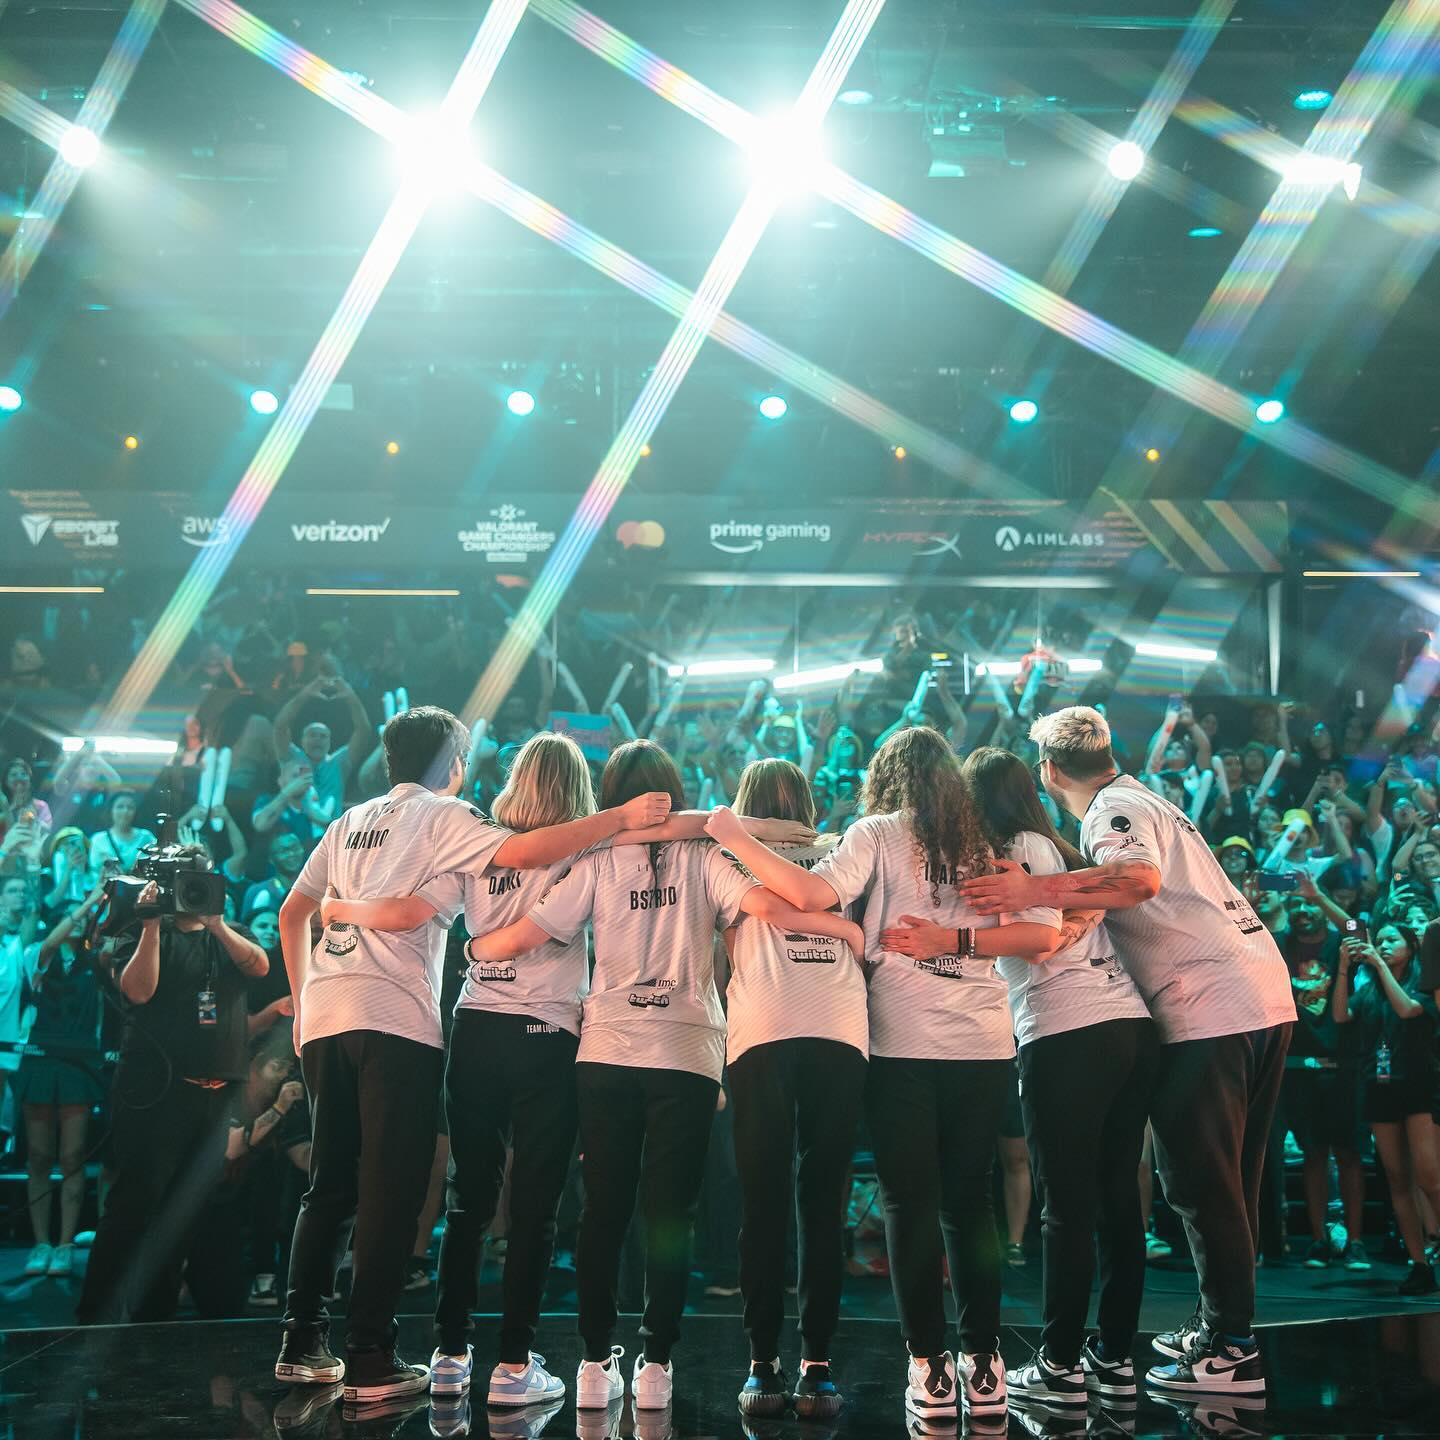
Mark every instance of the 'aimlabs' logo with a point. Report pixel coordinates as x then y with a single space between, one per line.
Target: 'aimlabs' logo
1007 538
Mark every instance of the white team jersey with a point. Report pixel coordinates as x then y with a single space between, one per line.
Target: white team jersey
1083 985
1203 961
549 982
374 979
653 1002
947 1008
785 986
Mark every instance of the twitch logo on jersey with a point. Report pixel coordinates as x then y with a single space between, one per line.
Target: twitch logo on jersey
654 996
816 949
492 972
341 939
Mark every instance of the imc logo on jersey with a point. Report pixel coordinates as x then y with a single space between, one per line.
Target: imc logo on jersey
809 950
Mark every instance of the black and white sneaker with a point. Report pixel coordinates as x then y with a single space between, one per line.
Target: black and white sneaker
816 1397
1042 1383
1109 1379
1213 1365
765 1389
1044 1420
305 1359
1228 1415
1176 1342
305 1407
931 1387
984 1383
380 1375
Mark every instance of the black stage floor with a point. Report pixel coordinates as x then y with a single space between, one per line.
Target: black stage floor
195 1380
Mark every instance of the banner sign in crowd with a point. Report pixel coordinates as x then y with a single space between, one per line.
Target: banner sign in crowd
699 537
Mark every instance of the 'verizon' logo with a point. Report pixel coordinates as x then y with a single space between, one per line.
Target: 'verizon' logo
338 532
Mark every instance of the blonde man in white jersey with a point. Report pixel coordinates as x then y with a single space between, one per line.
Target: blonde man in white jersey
1220 993
367 1026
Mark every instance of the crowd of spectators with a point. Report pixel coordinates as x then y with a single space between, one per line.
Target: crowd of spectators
1328 822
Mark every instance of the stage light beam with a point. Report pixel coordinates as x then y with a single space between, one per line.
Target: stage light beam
264 402
1022 412
1267 412
80 147
773 407
10 399
520 402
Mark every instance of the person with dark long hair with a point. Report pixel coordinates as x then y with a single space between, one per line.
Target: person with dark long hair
941 1048
797 1043
652 1048
1088 1052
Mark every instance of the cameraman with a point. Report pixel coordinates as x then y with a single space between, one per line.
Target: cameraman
185 1043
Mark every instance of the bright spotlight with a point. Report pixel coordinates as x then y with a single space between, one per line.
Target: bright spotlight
1313 99
10 399
519 402
1267 412
855 97
437 155
772 407
901 452
79 147
1126 160
1204 232
264 402
132 442
786 156
1022 412
1153 455
392 447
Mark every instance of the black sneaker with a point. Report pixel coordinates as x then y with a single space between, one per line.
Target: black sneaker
417 1273
1319 1255
1045 1383
305 1359
816 1397
1213 1365
765 1389
380 1375
1419 1280
1110 1379
305 1407
1176 1342
1356 1257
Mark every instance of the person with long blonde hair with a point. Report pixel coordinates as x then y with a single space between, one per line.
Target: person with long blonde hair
941 1048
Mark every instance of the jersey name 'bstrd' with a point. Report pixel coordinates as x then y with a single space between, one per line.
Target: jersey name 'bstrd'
785 986
653 1001
941 1009
549 982
1203 961
373 979
1082 985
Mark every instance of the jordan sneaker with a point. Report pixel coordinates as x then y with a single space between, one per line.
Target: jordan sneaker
1176 1342
931 1387
984 1375
1214 1364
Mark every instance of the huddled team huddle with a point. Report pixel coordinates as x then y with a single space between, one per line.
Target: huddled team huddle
889 972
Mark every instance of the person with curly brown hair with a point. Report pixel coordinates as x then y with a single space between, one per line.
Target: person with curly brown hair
941 1047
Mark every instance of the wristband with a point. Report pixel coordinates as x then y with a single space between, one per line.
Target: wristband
965 942
469 958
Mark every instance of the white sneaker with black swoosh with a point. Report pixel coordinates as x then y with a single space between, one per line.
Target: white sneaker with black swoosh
1213 1365
930 1386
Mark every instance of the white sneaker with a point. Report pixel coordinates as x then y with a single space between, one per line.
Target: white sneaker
534 1385
930 1387
62 1261
39 1261
652 1385
984 1382
450 1374
597 1383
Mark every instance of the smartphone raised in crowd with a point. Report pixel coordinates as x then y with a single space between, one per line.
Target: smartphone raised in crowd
1357 930
1285 881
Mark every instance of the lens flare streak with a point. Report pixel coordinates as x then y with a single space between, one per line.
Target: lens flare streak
61 178
334 345
705 305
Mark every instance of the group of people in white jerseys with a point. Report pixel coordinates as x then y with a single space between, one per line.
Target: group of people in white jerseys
889 973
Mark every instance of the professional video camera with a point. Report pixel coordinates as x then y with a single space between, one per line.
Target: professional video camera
187 883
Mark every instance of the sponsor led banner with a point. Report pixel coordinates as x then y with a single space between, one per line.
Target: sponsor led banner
671 537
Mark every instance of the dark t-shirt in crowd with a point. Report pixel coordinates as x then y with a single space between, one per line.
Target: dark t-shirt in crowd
1313 964
1412 1042
168 1026
270 986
